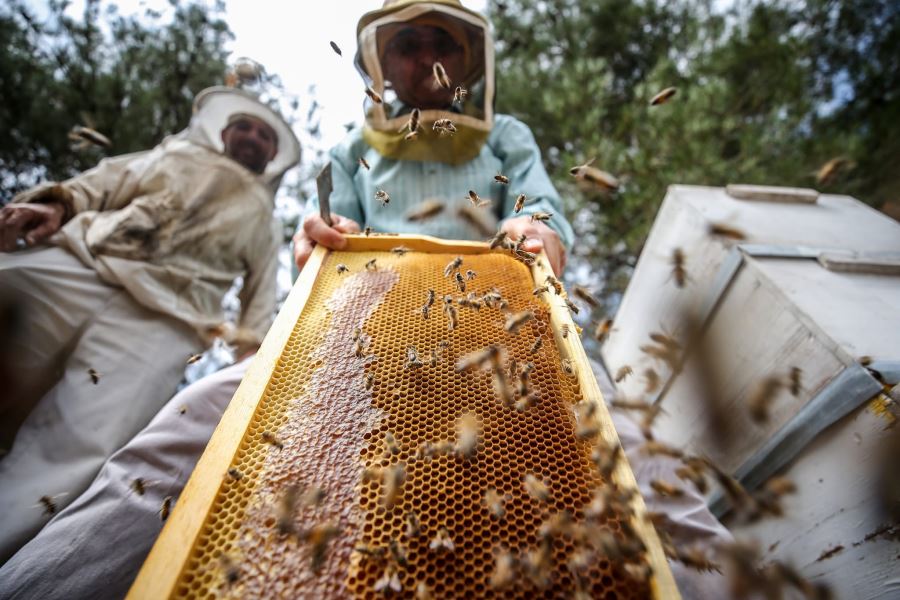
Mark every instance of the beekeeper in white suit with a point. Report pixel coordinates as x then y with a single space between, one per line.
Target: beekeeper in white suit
121 280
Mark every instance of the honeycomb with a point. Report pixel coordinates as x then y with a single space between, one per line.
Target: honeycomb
329 423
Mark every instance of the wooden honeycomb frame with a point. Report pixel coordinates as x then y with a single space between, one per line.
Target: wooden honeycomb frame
170 561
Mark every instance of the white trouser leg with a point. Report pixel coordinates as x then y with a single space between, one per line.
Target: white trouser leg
95 547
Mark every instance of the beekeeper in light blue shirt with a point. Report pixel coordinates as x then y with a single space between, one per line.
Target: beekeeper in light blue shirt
399 46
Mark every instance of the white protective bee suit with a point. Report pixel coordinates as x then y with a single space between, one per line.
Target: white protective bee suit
127 288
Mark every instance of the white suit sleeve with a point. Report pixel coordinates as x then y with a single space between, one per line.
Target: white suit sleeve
258 294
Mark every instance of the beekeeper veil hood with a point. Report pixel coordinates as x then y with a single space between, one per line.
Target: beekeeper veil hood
215 107
402 40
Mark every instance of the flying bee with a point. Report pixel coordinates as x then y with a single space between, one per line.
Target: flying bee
541 216
571 306
654 448
693 475
49 503
477 358
367 231
442 542
536 346
444 127
370 266
504 570
453 265
652 381
538 564
598 177
400 250
762 397
663 97
528 401
231 570
412 124
466 436
364 163
272 440
623 372
481 221
398 553
494 503
666 489
284 514
411 136
165 509
86 136
139 486
413 526
194 358
390 444
460 282
536 488
515 321
235 474
587 429
476 200
605 458
424 210
555 283
459 95
726 231
383 197
342 268
679 273
373 95
603 329
394 476
95 376
498 240
440 76
318 538
389 581
501 178
520 203
829 171
423 592
795 383
583 294
412 358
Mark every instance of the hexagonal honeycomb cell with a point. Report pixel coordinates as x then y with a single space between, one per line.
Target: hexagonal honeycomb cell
313 465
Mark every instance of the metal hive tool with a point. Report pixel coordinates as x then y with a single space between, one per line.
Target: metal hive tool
308 388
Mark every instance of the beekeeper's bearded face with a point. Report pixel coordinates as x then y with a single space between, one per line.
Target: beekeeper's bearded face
409 60
250 141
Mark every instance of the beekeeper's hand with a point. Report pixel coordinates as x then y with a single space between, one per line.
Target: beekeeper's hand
315 231
33 222
540 237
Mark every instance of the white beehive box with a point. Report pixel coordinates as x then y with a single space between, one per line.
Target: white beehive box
816 285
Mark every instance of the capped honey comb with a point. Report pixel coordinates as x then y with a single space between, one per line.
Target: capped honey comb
323 418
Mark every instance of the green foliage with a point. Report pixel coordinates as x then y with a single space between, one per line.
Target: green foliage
131 78
767 93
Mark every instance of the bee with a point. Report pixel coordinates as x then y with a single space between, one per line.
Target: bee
568 367
400 250
459 95
666 489
583 294
652 381
466 436
524 376
571 306
412 124
394 476
284 514
373 95
460 282
165 509
318 538
479 220
663 97
423 592
470 275
538 564
229 568
623 372
85 136
412 358
139 486
596 176
390 444
429 298
194 358
476 200
679 273
500 178
694 475
587 429
367 231
553 281
453 265
654 448
515 321
411 136
442 542
413 526
424 210
235 474
665 354
494 503
369 381
536 346
452 317
541 216
182 409
342 268
272 440
49 504
477 358
498 240
444 127
726 231
829 171
603 329
794 379
383 197
336 48
440 76
762 397
528 401
564 330
605 458
504 570
541 289
364 163
370 266
695 558
389 582
536 488
95 376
